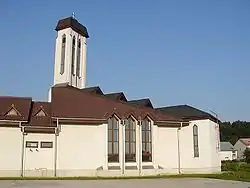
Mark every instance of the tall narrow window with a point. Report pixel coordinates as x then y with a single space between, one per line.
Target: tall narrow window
78 58
130 141
63 54
73 55
113 140
195 138
146 131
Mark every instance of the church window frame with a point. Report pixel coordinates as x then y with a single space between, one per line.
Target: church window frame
146 139
130 140
196 141
113 140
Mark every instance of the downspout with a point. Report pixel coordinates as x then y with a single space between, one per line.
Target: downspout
22 152
179 154
55 159
140 152
123 143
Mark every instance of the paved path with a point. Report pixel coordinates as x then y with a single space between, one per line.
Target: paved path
156 183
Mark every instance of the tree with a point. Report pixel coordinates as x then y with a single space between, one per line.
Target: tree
231 132
247 155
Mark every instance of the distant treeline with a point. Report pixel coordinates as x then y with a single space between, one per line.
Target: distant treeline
233 131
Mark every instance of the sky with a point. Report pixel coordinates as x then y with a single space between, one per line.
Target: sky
194 52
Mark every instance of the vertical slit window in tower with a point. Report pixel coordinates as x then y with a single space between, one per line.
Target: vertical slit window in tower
73 56
63 54
78 58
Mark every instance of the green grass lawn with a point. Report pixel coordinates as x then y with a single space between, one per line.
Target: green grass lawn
236 176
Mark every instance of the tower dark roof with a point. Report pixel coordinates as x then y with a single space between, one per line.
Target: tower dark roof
71 22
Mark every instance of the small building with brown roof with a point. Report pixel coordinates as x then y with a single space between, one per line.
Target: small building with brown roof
83 132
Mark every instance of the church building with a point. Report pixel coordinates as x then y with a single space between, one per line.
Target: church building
82 131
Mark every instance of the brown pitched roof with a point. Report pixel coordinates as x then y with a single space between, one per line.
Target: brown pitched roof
187 112
74 105
245 141
116 96
69 102
36 120
94 90
141 102
19 104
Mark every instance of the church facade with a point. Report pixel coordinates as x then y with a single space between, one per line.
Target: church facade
83 132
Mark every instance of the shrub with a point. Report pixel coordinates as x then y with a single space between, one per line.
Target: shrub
247 155
235 166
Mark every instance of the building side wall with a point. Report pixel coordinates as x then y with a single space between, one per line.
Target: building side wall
214 145
81 150
208 160
240 147
166 149
227 156
39 161
10 151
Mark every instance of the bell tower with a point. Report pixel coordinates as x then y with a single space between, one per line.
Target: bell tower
70 53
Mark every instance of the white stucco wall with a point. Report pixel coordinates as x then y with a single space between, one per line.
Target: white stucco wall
39 161
10 151
81 149
166 149
208 160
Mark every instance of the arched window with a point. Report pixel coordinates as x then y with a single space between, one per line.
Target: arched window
73 55
78 60
113 140
146 133
63 54
195 140
130 140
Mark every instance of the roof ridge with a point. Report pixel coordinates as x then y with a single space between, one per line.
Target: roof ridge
16 97
41 102
139 99
114 93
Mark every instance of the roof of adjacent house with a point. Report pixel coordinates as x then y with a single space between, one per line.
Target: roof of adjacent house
226 146
71 22
186 112
245 141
